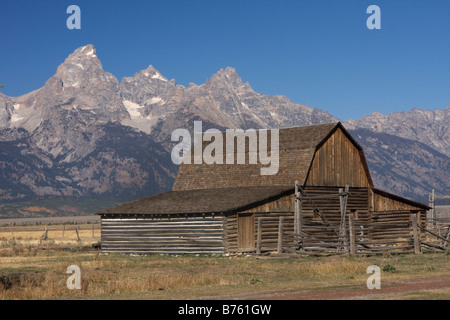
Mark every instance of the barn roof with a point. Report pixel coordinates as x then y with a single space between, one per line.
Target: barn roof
220 200
297 147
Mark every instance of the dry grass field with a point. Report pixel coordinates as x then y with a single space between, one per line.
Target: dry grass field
443 211
34 269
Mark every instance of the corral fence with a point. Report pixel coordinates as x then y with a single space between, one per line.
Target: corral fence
395 231
438 234
387 232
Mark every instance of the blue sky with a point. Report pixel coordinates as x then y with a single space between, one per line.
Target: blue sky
317 53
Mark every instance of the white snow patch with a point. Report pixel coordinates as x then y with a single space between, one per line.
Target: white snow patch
79 65
159 76
76 85
15 118
154 100
132 108
91 53
274 115
144 124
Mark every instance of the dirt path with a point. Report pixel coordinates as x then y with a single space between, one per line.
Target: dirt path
389 291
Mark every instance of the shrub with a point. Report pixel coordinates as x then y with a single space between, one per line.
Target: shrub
389 268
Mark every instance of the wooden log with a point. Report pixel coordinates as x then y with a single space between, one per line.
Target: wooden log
280 235
351 229
325 197
417 249
432 233
446 238
343 206
296 208
258 239
298 217
433 246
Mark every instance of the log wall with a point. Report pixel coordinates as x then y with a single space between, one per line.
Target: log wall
163 235
357 202
270 212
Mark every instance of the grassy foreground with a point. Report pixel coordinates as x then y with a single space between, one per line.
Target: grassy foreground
37 270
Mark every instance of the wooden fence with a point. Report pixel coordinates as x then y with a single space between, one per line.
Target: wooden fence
386 232
438 235
53 232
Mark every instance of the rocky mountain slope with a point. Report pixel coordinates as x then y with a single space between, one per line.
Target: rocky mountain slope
84 134
431 127
404 167
158 106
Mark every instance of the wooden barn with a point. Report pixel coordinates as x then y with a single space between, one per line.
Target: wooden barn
321 200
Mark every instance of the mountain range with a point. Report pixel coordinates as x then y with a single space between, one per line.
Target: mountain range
84 134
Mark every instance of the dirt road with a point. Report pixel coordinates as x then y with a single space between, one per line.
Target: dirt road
365 294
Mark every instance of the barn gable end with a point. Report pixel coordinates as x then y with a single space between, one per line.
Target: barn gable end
339 161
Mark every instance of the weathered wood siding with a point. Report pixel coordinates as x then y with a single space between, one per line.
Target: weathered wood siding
337 163
357 203
246 231
270 212
380 202
163 235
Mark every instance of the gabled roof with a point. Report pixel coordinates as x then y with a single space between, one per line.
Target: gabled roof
297 148
199 201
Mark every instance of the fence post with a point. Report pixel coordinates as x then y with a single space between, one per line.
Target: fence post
351 230
297 216
259 235
78 235
343 207
280 235
417 248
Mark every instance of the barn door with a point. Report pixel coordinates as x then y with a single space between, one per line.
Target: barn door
246 232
